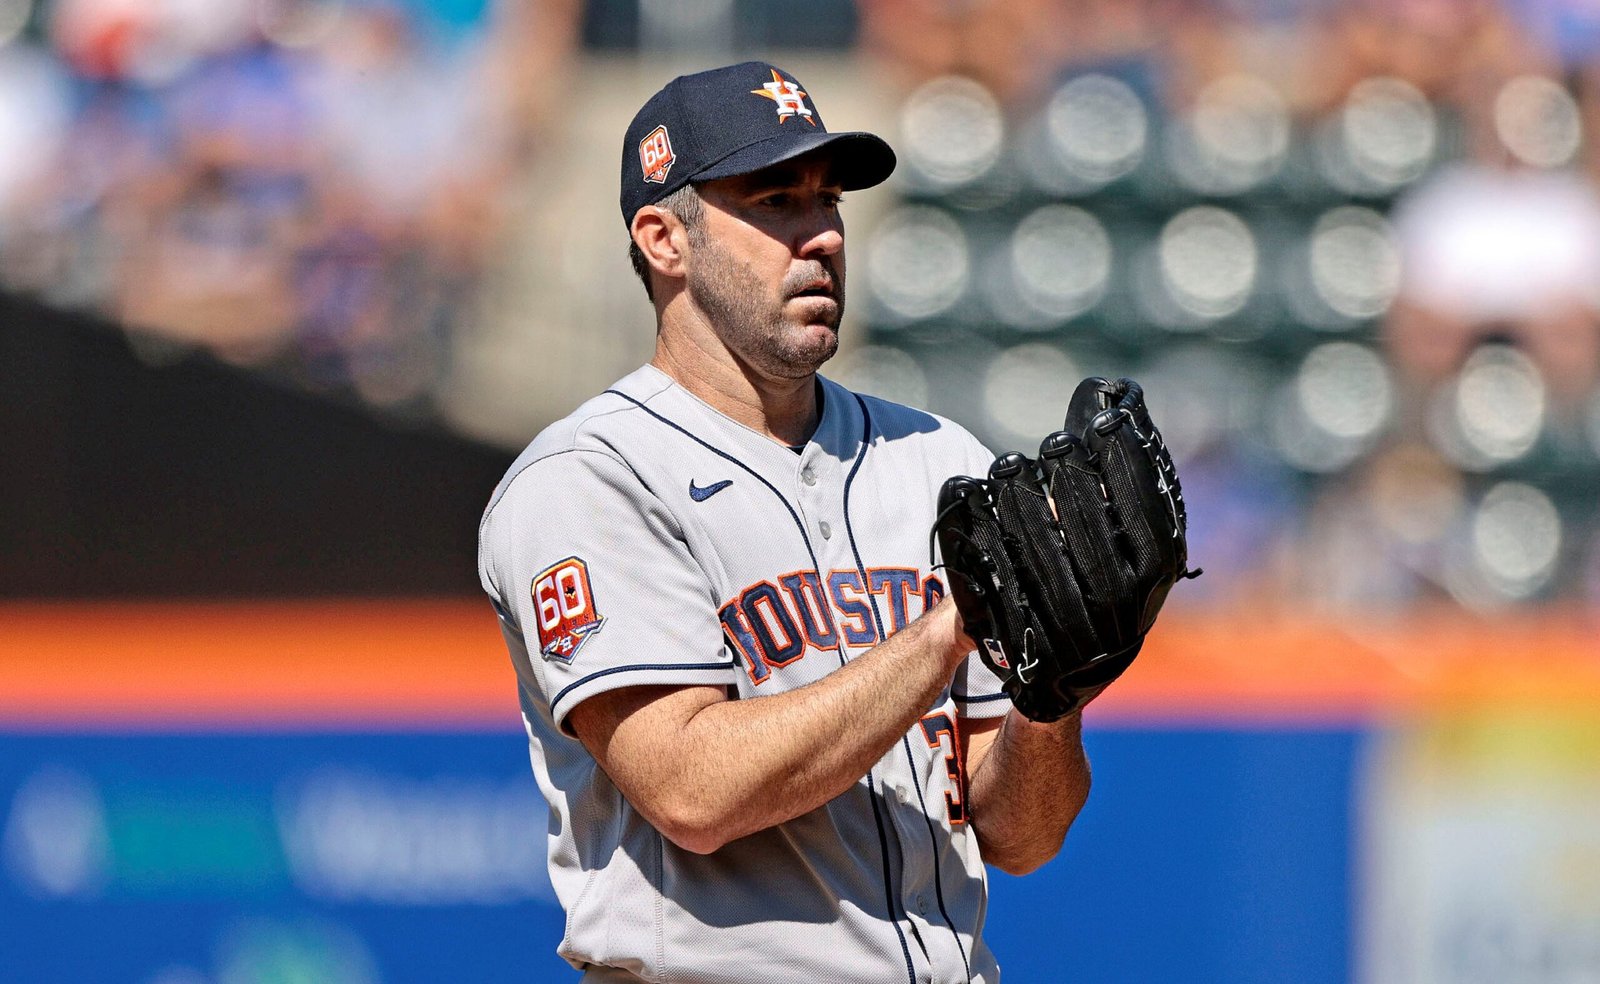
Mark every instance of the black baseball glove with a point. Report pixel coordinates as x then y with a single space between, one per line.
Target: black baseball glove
1059 566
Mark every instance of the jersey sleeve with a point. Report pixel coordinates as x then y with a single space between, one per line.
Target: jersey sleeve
975 688
593 571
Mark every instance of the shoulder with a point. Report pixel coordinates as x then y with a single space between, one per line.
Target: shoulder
587 445
928 432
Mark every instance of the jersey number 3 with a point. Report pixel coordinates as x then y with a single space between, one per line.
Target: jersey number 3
565 607
939 728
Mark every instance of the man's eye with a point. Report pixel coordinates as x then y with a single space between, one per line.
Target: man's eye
832 201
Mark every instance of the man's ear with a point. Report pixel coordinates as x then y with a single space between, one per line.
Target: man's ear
662 238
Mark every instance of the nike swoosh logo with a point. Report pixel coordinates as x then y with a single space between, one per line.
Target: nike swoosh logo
699 494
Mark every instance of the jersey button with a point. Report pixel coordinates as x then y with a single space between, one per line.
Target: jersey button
808 476
825 529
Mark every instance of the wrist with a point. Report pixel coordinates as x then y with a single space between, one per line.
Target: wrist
955 643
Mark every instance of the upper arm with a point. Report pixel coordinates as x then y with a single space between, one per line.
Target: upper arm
632 733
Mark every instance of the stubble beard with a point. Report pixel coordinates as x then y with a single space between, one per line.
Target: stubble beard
753 325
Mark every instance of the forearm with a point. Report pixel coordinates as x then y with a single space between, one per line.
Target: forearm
739 766
1027 790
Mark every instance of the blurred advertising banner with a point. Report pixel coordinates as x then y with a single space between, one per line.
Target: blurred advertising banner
231 793
339 859
1482 849
338 791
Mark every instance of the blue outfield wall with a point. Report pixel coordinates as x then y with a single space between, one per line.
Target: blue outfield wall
1204 855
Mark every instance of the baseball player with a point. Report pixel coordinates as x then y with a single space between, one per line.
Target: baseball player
769 750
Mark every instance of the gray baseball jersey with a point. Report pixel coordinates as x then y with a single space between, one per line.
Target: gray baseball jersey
648 539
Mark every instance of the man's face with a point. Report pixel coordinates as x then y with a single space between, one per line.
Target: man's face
768 266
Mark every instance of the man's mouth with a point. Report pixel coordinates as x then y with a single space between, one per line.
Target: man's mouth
817 288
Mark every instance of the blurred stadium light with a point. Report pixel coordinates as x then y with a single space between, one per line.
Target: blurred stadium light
1059 261
1385 137
1095 131
1236 137
903 249
952 133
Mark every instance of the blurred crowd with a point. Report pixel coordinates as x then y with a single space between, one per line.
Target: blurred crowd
310 185
1352 245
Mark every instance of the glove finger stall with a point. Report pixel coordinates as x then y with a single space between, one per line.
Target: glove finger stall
981 568
969 571
1045 570
1140 484
1085 519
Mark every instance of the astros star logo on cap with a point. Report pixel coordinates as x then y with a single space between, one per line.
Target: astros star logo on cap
788 96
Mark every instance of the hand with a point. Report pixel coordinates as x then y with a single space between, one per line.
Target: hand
954 641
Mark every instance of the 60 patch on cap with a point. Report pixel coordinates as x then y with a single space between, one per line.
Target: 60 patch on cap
564 607
655 155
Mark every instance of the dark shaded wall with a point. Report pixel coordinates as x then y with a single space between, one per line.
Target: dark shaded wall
198 479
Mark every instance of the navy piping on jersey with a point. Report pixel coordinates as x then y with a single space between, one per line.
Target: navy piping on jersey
890 895
964 699
905 743
569 688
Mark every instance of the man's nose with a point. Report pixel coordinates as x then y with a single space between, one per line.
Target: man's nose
825 239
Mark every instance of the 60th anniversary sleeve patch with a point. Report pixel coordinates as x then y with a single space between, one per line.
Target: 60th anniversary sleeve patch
564 604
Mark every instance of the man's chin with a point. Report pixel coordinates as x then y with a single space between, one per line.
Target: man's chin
809 347
822 338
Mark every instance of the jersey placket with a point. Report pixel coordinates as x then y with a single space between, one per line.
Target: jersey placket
902 773
818 492
819 495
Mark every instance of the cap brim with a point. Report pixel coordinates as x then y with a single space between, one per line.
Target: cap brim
862 159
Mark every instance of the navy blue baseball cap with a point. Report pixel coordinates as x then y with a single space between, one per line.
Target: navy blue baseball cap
735 120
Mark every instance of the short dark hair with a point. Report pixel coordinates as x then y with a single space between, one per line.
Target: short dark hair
685 203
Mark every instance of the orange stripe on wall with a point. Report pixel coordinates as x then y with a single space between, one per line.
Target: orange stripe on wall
1231 663
442 664
328 663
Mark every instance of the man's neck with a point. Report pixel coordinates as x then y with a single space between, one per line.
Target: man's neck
784 410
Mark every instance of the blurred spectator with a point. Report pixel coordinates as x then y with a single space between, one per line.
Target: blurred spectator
1380 537
1505 245
1569 30
1242 507
1019 49
1442 47
307 183
221 215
